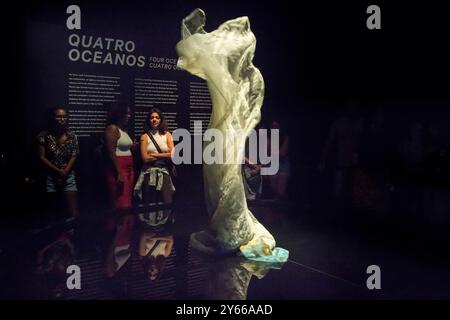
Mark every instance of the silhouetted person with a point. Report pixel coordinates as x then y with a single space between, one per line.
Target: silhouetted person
154 184
153 250
370 178
413 151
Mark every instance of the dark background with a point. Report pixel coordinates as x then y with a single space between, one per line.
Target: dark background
315 58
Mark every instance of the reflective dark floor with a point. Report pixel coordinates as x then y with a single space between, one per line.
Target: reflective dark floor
328 259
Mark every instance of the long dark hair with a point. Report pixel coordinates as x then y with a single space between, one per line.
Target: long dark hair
116 112
162 124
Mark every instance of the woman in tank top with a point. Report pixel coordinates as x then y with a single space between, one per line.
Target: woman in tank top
58 152
119 170
154 184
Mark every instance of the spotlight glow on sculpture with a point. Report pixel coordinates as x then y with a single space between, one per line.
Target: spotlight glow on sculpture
224 59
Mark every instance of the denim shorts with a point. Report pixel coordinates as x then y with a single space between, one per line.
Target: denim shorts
69 185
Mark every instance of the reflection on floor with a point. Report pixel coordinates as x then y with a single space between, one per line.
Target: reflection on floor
147 256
